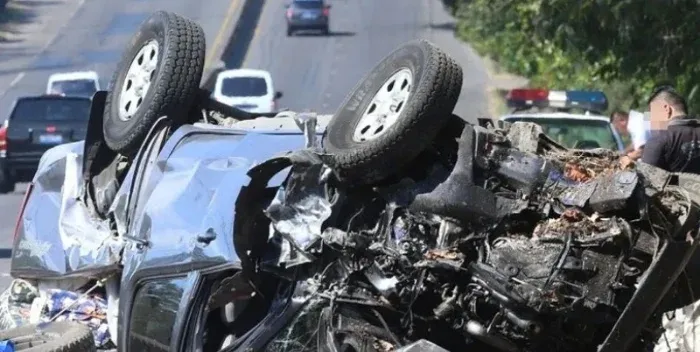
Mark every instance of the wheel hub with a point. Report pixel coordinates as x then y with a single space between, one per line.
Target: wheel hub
138 80
384 109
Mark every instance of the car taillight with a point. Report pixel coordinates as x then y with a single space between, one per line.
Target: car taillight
326 11
3 139
290 13
30 187
273 106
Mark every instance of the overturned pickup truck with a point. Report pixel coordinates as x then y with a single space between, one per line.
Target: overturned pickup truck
182 224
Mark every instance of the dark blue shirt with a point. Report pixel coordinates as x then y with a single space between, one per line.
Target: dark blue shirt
676 149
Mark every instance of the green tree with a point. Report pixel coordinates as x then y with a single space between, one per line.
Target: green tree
620 46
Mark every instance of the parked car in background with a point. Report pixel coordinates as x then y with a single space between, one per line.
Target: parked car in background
247 89
79 83
36 124
308 15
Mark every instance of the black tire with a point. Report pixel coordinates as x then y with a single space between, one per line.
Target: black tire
433 96
54 337
174 83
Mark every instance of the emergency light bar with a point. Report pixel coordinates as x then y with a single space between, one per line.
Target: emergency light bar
563 99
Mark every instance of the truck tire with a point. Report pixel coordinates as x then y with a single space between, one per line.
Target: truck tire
393 114
53 337
159 75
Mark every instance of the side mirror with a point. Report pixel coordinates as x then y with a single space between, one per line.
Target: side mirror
328 6
278 95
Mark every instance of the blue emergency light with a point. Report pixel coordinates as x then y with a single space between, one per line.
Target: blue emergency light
565 99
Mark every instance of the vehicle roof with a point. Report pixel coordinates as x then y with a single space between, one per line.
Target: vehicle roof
245 72
65 76
556 115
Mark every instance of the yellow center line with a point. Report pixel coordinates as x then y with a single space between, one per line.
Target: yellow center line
256 34
235 4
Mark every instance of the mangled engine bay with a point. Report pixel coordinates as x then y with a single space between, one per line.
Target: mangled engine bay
509 242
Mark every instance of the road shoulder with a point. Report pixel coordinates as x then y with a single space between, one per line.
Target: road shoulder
484 83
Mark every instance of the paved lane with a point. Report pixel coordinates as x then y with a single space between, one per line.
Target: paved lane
317 72
92 39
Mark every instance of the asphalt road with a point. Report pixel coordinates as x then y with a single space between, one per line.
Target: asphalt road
317 72
314 72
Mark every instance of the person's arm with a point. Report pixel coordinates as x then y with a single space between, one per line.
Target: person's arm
636 153
653 152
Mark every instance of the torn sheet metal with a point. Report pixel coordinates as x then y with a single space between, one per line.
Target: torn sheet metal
681 330
298 212
57 235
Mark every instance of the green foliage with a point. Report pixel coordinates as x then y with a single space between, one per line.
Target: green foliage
620 46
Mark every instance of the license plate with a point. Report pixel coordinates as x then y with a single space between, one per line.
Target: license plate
308 16
50 139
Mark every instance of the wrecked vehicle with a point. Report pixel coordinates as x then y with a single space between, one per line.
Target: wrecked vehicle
392 225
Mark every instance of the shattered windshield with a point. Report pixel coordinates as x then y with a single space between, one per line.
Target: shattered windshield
575 133
301 333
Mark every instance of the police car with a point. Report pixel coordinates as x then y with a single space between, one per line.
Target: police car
572 118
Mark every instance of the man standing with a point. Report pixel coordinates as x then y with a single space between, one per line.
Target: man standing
675 142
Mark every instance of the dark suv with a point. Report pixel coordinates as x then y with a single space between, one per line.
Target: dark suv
307 14
35 125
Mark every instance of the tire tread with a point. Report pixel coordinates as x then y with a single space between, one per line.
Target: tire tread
176 85
375 161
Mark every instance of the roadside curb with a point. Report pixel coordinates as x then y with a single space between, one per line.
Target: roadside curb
500 83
